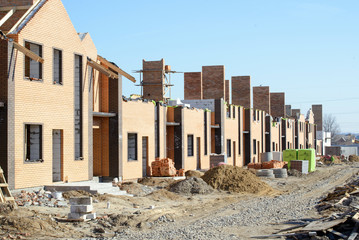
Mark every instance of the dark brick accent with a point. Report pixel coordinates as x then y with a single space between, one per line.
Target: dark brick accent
288 110
193 85
295 112
113 90
318 116
227 99
213 82
3 110
10 3
241 91
277 103
153 80
261 99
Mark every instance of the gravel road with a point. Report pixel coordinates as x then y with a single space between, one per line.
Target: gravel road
256 215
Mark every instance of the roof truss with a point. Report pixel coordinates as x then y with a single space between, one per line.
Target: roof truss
101 69
7 16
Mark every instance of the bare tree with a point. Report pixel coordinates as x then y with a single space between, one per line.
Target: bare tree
330 124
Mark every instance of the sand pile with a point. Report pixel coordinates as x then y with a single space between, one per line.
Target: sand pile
136 189
163 194
353 158
193 173
156 182
235 179
192 185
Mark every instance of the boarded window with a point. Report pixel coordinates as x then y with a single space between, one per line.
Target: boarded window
57 68
33 69
33 143
132 146
190 145
229 150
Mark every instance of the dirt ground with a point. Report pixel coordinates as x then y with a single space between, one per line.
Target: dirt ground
163 212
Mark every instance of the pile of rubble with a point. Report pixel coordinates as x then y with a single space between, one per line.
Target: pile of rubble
39 198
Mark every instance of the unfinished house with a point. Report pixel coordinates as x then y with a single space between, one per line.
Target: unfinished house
233 131
300 132
46 90
310 129
288 133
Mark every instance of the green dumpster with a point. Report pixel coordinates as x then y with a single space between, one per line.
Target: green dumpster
308 154
289 155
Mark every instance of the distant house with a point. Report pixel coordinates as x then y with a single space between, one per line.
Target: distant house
342 139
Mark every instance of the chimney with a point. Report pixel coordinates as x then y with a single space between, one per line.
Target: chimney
241 91
213 84
261 98
277 103
318 116
193 85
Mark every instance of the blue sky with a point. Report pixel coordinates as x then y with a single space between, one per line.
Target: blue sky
306 48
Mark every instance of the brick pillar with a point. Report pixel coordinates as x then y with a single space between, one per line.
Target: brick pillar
241 91
153 80
318 116
295 112
193 85
261 98
213 82
288 110
277 102
10 3
227 99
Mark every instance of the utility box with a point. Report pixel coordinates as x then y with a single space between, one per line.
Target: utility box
308 154
289 155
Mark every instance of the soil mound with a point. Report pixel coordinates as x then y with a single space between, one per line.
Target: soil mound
294 173
76 194
6 208
193 173
163 194
136 189
353 158
156 182
192 185
235 179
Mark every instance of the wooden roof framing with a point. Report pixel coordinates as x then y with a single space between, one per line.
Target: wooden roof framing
101 69
7 16
115 68
28 53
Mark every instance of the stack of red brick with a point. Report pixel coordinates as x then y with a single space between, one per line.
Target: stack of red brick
163 168
267 165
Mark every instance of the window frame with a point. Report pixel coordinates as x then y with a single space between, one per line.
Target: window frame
190 148
60 66
26 144
128 147
27 60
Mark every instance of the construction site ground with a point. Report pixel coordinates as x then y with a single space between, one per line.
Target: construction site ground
166 215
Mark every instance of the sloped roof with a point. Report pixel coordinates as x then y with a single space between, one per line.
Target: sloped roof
12 20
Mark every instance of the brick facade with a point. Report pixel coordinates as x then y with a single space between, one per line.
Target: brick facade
10 3
227 99
295 112
193 86
318 116
213 83
241 91
261 99
277 102
288 110
153 79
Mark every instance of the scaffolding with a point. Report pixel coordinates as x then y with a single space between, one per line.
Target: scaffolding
166 84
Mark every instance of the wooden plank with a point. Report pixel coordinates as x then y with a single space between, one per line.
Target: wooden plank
354 233
101 69
116 69
7 16
323 225
337 233
28 53
4 185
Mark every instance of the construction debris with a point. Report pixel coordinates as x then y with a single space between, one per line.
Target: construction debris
192 185
38 198
81 209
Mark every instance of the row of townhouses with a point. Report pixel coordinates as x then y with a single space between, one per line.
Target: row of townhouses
63 116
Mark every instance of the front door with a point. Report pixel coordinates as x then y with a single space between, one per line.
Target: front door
56 155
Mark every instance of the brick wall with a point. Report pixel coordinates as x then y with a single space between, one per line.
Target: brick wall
193 85
227 99
277 102
261 99
241 91
295 112
288 110
54 105
318 116
6 3
213 83
153 76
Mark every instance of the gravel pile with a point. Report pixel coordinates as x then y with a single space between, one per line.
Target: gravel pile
192 185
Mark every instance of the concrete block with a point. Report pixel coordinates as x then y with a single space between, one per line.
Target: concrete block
81 201
81 208
81 216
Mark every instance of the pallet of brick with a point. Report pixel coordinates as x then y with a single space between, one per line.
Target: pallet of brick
81 209
300 165
255 165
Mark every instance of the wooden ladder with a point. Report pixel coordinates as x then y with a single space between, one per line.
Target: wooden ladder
5 194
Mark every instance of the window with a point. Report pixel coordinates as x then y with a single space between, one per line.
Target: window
132 146
33 143
78 108
288 144
205 134
273 146
33 69
190 145
258 116
228 111
254 146
57 67
229 152
254 115
234 112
